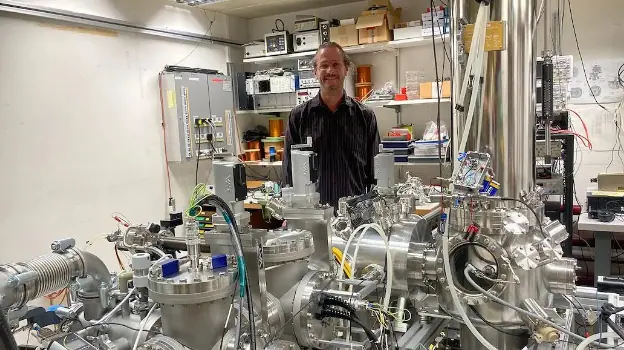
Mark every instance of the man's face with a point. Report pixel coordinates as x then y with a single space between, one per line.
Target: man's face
330 69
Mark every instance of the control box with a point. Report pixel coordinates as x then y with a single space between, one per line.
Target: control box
307 41
307 79
306 24
255 49
305 95
199 115
279 43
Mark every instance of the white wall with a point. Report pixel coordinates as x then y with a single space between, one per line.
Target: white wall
81 134
599 27
384 67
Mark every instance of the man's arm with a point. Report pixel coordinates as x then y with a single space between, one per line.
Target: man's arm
292 138
373 148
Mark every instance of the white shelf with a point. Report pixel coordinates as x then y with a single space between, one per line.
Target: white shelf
263 163
414 42
391 45
393 104
262 111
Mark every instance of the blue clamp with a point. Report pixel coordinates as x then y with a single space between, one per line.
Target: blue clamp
170 268
219 261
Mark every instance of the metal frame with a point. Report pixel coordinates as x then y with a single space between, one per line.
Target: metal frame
108 23
567 217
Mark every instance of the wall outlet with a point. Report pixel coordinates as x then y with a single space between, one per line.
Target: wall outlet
217 121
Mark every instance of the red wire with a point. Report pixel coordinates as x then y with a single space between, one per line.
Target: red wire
162 116
586 142
584 127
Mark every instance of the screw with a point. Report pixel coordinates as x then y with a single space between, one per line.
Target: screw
182 280
12 281
439 270
442 280
197 279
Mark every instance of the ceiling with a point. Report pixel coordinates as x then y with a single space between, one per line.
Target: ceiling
264 8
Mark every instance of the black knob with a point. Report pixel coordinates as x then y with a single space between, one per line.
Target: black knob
298 41
154 228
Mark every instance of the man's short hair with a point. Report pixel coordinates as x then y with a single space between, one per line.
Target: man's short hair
345 59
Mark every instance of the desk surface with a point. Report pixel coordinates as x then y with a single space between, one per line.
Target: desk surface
587 224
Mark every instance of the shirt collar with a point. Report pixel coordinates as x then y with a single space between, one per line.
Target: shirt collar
318 102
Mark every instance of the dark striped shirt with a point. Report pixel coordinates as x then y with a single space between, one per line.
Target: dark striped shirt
346 141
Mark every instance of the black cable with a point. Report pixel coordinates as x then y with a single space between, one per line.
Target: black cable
578 48
290 320
202 40
584 324
221 204
492 325
6 336
198 146
369 333
438 83
277 27
539 221
231 303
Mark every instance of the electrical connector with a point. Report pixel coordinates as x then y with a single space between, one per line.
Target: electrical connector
331 300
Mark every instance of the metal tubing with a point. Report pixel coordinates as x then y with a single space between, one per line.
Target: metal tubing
96 268
108 23
458 13
509 120
547 27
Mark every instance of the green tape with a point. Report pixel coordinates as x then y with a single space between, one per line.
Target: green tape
241 278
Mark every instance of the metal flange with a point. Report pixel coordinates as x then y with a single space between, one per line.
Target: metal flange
486 243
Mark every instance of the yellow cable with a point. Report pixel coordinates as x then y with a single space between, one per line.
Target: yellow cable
338 256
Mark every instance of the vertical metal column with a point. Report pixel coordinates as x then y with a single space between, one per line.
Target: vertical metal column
509 121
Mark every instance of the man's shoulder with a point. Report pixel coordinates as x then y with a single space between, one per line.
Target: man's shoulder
365 109
300 109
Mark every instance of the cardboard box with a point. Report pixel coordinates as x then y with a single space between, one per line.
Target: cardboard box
381 3
392 16
346 35
407 33
373 28
431 89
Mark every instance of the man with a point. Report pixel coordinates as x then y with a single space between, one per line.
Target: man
344 131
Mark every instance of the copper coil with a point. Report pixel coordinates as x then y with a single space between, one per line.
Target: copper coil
252 155
255 144
276 125
364 74
362 91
